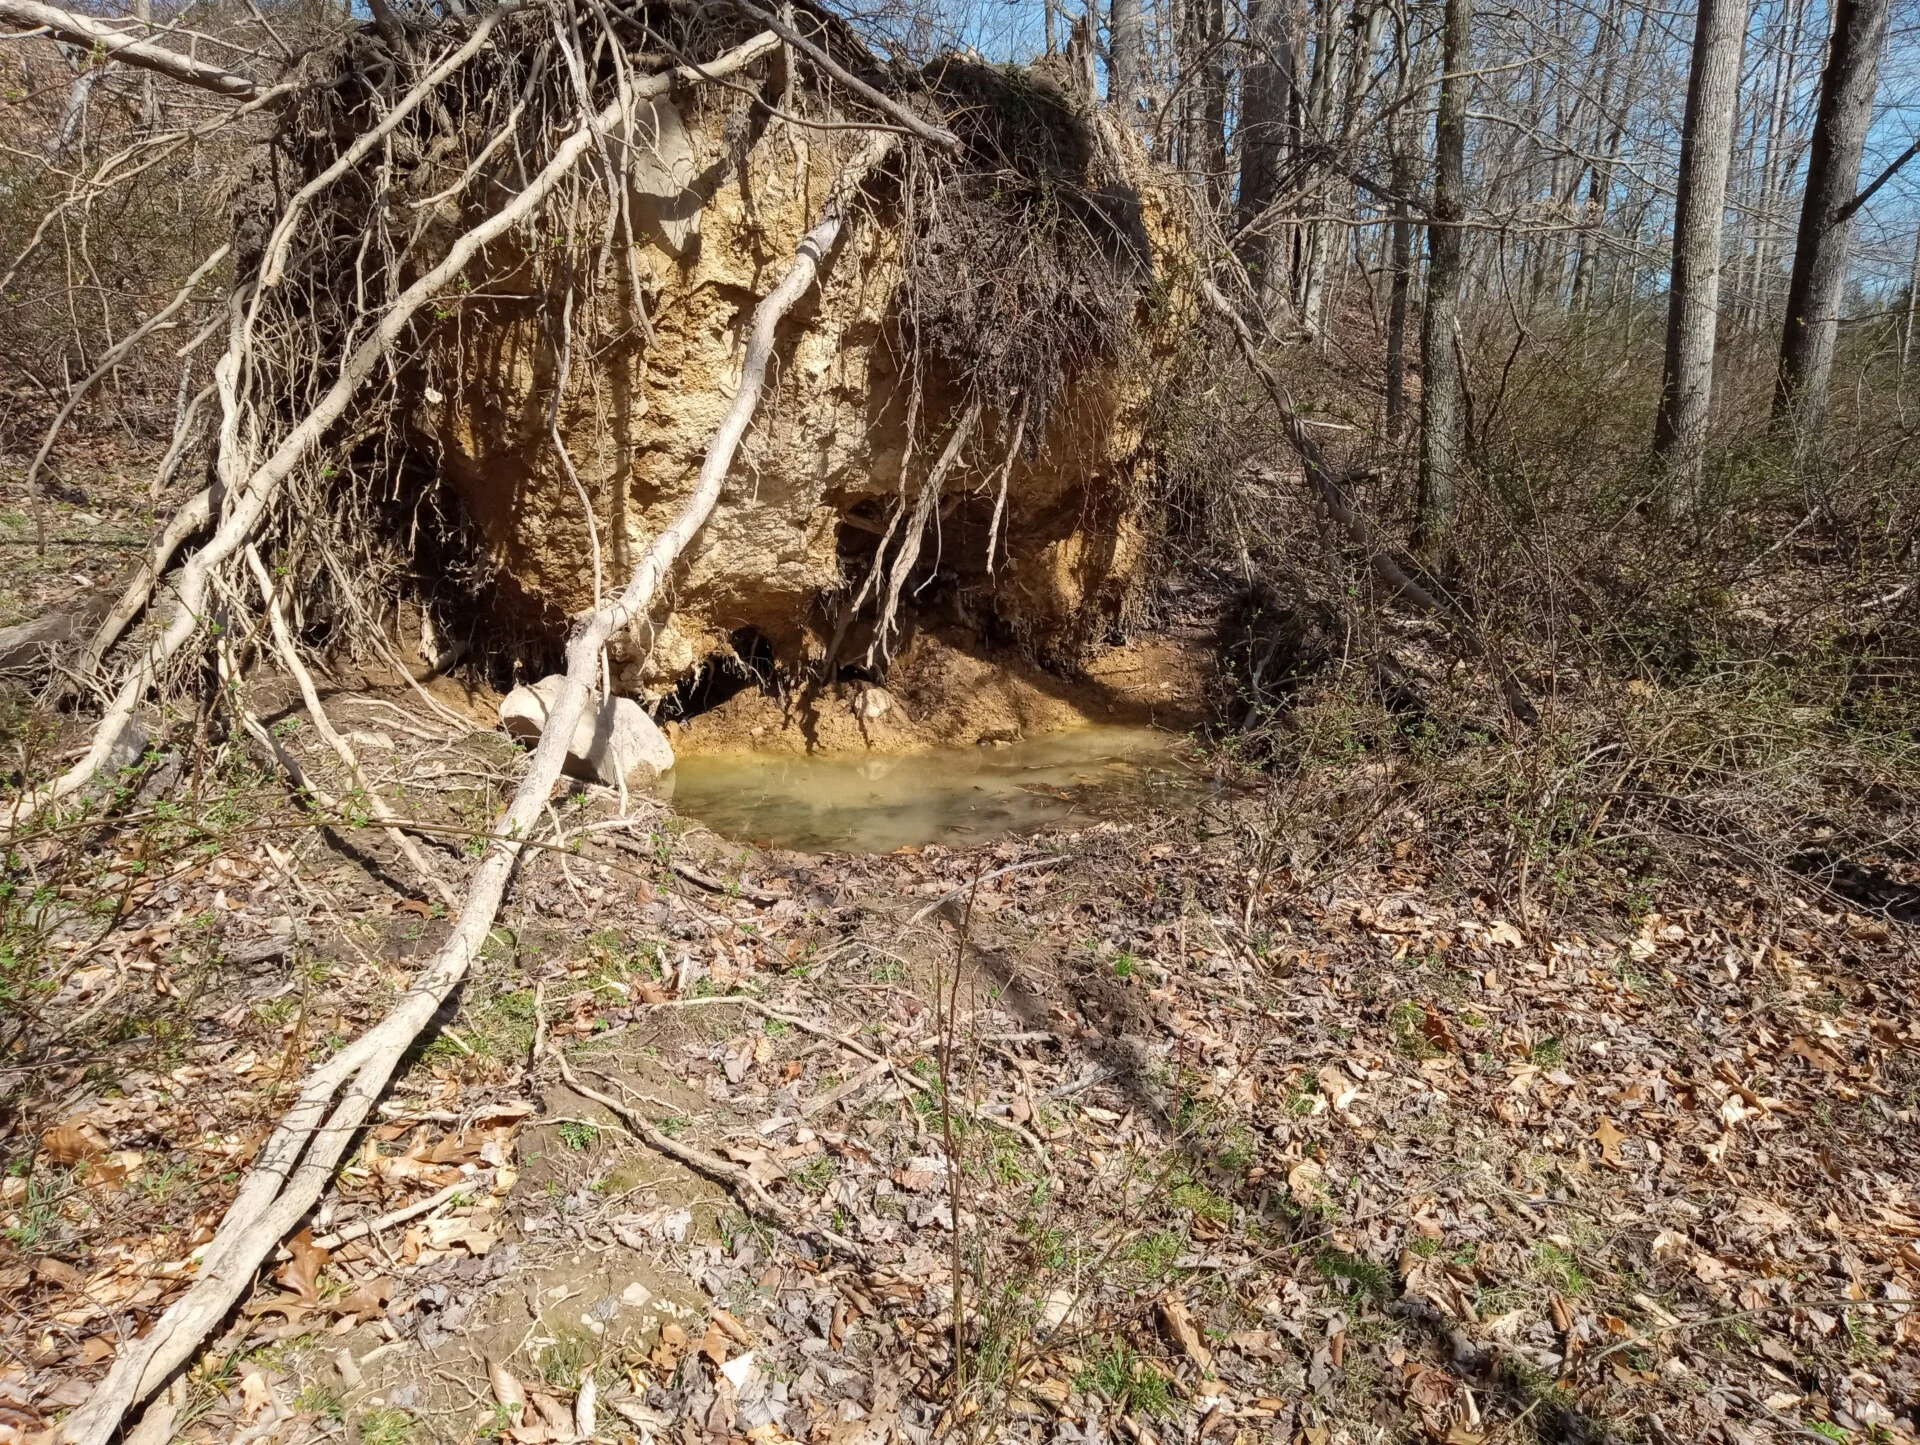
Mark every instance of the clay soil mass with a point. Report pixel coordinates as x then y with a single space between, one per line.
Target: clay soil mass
945 689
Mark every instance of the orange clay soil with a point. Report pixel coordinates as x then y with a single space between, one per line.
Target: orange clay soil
946 689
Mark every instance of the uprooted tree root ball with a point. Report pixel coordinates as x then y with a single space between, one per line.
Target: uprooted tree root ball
1527 916
481 213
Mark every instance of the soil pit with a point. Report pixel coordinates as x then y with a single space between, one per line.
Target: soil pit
953 796
959 747
946 690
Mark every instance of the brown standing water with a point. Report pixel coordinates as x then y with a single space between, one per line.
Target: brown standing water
862 803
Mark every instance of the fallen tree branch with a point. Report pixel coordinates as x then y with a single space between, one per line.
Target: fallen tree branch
765 1010
115 355
724 888
749 1191
945 898
883 1063
1340 507
296 1164
377 805
933 134
251 497
93 35
721 1171
361 1228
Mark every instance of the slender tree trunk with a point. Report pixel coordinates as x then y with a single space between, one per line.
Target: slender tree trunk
1442 406
1405 149
1314 238
1913 301
1820 253
1401 261
1213 93
1693 298
1125 44
1771 138
1266 110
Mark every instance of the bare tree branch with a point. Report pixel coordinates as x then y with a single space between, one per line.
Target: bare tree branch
80 30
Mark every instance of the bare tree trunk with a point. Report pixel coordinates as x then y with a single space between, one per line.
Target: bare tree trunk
1214 92
1125 43
1401 262
1205 147
1913 300
1820 252
1314 231
1693 298
1442 405
149 90
1265 132
1600 184
1405 167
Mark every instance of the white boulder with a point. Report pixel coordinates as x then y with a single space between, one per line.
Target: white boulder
611 742
872 704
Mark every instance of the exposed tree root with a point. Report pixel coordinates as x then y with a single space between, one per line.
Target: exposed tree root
1006 475
250 498
290 659
923 510
295 1166
190 517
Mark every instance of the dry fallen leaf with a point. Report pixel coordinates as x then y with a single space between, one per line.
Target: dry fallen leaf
120 1168
1051 1392
71 1143
254 1394
1820 1058
671 1345
555 1416
1609 1135
68 1393
731 1325
585 1415
1185 1333
301 1274
1438 1031
508 1392
1305 1182
1338 1086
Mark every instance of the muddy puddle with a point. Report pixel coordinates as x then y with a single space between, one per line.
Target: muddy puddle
952 796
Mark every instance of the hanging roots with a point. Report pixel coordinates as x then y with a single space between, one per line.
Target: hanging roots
1026 256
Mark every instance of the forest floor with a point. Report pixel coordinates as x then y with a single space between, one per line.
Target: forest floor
1219 1142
